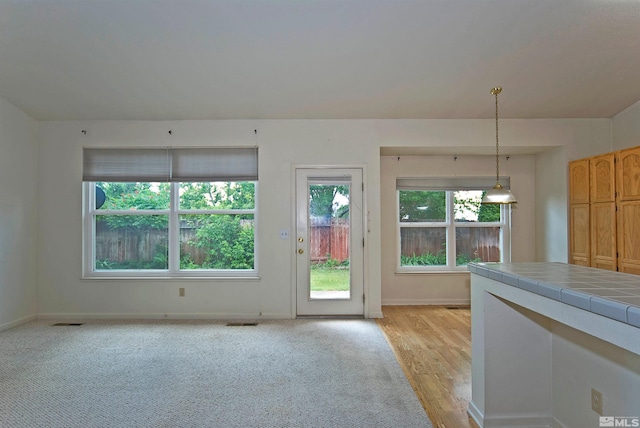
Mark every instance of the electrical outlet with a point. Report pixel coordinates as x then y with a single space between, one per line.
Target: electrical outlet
181 292
596 401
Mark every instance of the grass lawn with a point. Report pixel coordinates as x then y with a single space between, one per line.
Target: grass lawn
329 279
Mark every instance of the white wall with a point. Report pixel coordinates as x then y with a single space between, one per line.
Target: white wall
449 288
540 217
582 362
589 137
18 194
626 128
551 206
284 145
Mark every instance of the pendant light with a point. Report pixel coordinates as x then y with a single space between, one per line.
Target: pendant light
498 195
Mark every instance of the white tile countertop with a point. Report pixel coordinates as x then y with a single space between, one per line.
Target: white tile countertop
614 295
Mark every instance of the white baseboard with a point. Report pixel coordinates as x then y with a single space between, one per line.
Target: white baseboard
178 316
525 421
558 424
433 302
11 324
475 414
160 316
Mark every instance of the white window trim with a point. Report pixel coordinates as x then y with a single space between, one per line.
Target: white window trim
450 225
174 271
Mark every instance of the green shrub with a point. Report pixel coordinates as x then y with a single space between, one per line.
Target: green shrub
430 259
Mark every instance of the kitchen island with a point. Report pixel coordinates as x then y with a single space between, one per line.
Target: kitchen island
544 335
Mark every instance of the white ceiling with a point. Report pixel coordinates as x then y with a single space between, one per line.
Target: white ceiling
343 59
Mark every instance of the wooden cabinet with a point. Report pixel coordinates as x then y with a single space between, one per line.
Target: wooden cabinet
604 213
580 246
602 178
579 191
629 174
628 189
603 235
629 237
579 182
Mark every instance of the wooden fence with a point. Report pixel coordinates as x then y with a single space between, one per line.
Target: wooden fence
329 238
475 242
124 244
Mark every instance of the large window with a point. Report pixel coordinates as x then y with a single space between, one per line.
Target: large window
441 228
180 224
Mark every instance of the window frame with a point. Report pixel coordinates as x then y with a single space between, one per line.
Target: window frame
450 226
173 271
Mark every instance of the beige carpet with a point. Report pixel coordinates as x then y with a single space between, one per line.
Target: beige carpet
299 373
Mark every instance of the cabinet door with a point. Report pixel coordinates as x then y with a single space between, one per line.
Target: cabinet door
603 236
579 231
579 182
629 237
629 174
603 175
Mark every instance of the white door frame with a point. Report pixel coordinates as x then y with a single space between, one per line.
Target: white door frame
360 290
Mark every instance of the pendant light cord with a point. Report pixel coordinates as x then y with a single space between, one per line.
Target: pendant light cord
496 91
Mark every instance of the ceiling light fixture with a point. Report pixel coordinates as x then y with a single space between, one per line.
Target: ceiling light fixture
498 195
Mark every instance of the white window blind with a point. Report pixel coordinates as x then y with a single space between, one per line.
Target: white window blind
126 165
214 164
451 183
194 164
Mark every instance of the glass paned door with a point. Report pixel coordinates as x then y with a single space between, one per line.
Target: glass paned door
329 242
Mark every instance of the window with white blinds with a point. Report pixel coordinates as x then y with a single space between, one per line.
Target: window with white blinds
442 224
183 212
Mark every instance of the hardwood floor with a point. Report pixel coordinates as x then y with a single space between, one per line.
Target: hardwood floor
433 346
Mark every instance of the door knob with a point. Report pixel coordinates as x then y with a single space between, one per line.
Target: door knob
301 239
300 251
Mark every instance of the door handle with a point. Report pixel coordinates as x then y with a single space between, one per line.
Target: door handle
300 251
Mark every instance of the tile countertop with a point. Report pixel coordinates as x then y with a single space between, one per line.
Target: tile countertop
614 295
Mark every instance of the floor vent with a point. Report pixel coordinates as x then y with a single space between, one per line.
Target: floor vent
61 324
242 324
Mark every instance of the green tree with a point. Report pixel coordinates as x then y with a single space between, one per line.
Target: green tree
422 205
133 197
489 212
322 200
227 240
232 195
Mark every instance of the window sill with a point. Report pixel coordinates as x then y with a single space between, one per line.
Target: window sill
432 272
171 278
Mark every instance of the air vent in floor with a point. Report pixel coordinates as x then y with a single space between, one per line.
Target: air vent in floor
242 324
61 324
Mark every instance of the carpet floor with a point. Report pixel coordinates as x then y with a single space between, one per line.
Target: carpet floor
294 373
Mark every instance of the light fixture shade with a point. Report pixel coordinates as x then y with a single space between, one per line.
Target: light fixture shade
499 195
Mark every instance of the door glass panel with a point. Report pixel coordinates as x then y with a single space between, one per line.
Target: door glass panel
329 237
